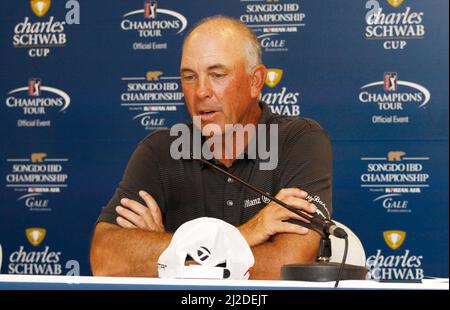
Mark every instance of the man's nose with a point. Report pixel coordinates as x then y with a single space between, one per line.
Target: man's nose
204 88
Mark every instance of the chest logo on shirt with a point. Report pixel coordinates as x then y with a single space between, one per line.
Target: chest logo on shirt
256 201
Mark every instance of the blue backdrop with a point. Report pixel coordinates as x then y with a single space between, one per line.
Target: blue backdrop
77 95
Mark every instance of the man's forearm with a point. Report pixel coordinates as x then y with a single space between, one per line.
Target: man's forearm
117 251
283 249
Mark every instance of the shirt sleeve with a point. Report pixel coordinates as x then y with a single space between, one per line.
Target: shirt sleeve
307 164
141 173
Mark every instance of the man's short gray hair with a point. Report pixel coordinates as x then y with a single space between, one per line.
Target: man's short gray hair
252 47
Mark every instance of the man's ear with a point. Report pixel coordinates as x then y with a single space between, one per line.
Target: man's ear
258 78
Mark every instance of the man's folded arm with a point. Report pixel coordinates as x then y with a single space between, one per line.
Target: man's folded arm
282 249
117 251
310 169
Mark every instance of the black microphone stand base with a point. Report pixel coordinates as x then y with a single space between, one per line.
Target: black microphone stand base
322 272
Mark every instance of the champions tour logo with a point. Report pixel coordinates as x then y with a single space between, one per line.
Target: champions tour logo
36 100
40 35
398 266
154 23
272 22
394 178
393 23
394 97
151 98
36 178
279 99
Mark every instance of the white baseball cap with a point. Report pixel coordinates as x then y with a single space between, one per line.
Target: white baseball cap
218 247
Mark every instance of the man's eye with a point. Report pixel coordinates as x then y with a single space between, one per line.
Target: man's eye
218 75
188 77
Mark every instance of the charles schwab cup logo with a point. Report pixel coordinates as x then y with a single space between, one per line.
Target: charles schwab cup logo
40 35
273 22
393 23
394 238
151 98
280 99
394 98
35 235
35 102
395 265
37 259
35 179
394 179
151 24
40 7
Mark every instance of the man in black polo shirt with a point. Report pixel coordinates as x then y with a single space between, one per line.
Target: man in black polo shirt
222 77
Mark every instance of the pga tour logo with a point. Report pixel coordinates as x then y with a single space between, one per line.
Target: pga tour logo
389 96
390 81
393 95
36 99
152 21
150 9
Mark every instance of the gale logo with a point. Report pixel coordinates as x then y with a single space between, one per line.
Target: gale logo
394 238
40 7
394 203
35 202
35 235
270 42
149 122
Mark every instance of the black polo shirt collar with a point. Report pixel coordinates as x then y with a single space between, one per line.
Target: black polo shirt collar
265 118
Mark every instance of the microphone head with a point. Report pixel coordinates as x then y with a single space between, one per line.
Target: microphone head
338 232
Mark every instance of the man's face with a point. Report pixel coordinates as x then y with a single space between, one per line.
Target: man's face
215 83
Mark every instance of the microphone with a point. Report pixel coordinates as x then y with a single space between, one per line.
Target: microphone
322 270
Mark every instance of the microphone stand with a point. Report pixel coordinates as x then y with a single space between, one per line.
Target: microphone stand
322 270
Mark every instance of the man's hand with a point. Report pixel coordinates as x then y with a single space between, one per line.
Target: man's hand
135 215
270 220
